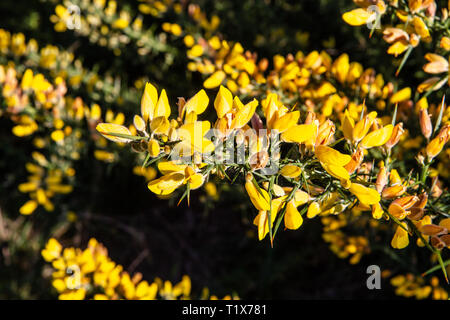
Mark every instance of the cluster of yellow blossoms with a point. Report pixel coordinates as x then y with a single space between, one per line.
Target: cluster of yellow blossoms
44 182
346 245
312 174
413 286
411 23
314 79
91 274
61 65
41 109
107 24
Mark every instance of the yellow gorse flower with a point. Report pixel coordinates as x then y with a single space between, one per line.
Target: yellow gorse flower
174 176
333 162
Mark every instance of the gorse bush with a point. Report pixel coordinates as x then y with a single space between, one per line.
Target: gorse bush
161 93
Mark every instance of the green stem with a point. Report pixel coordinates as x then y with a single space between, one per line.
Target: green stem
424 173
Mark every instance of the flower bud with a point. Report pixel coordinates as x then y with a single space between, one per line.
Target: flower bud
263 64
396 135
167 149
436 190
326 133
310 117
382 179
435 147
139 123
362 127
356 161
425 123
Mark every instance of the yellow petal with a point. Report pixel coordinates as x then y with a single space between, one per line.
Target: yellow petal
105 129
313 210
261 221
28 186
347 126
357 17
292 218
52 250
27 79
195 51
401 238
41 197
337 172
139 123
291 171
341 67
166 184
378 137
207 146
300 197
28 207
160 125
367 196
261 201
244 115
214 80
329 155
398 48
363 126
299 133
192 134
400 96
169 166
287 121
196 181
223 102
377 211
57 135
148 101
162 108
421 28
153 148
197 103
